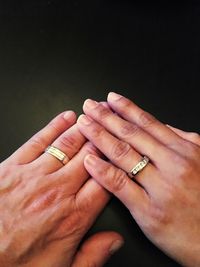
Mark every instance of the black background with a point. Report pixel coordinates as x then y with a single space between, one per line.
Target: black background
55 54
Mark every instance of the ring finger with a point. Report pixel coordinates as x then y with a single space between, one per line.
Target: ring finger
69 143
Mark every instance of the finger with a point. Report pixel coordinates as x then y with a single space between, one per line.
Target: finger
96 250
74 174
117 182
91 197
189 136
118 152
34 147
70 142
131 112
129 132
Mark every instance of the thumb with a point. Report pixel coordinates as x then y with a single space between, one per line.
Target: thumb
96 250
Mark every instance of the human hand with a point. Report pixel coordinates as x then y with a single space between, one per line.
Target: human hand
46 208
164 198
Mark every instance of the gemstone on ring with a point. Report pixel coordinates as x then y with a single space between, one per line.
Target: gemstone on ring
139 166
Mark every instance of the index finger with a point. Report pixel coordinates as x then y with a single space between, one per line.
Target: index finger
133 196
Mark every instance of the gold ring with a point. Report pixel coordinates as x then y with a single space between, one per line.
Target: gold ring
140 166
57 153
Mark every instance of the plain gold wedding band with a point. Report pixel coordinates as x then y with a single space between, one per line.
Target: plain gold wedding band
57 153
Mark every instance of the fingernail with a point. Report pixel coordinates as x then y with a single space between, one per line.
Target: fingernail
91 160
68 114
91 103
116 246
114 96
85 120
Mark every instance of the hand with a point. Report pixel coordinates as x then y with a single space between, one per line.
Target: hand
44 205
164 198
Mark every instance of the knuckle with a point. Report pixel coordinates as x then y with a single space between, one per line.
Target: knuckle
114 179
90 148
106 172
117 180
146 119
68 142
53 125
72 225
86 205
120 149
124 105
128 130
102 111
96 131
37 143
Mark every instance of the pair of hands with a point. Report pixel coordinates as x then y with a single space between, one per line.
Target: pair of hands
44 205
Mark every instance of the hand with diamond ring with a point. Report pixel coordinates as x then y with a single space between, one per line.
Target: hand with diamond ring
163 195
44 204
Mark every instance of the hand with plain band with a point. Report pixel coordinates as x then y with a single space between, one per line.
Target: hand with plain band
44 204
165 201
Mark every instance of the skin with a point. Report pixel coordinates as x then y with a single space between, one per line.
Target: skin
44 205
164 198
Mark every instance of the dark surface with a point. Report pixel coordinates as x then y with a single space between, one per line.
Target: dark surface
55 54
